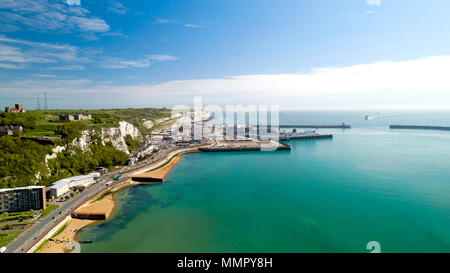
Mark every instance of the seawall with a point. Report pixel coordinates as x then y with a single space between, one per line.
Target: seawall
420 127
307 137
340 126
282 147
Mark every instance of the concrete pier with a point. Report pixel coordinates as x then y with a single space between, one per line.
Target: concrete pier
339 126
315 136
245 146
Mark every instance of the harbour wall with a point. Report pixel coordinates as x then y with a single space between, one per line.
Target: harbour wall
340 126
420 127
307 137
147 179
283 147
89 216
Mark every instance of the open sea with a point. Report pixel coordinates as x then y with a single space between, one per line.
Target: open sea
368 183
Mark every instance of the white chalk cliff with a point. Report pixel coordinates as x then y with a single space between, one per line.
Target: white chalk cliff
115 135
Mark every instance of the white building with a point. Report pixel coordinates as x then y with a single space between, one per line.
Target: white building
62 186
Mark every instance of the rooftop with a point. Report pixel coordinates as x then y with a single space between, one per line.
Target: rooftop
22 188
65 181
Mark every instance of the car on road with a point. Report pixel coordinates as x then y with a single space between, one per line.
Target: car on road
117 177
2 249
53 217
101 169
59 212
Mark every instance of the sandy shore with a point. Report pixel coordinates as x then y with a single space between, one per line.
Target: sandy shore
165 170
102 203
162 172
60 242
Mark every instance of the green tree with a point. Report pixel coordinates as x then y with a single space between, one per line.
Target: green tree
70 131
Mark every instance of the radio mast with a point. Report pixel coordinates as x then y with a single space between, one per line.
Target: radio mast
38 102
45 96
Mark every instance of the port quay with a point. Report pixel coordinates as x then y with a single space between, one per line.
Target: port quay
242 138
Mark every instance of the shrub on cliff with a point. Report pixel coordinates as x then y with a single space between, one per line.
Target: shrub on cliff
20 161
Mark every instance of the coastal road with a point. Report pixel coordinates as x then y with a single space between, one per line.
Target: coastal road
167 158
32 235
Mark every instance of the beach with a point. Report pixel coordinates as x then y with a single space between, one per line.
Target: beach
101 204
161 172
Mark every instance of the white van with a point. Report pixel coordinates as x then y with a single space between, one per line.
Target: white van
2 249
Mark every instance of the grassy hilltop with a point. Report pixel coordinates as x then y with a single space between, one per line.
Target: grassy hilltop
45 122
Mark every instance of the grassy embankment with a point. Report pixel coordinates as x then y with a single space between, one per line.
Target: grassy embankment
16 216
11 230
6 237
51 238
101 197
47 210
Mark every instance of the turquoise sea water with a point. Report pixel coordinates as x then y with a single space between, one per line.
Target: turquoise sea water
366 184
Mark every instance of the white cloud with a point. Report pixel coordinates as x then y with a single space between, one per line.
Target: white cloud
44 76
39 44
89 24
162 57
117 7
163 21
417 75
169 21
373 2
11 54
45 16
16 54
73 2
416 83
120 63
117 63
26 52
8 66
24 5
192 26
115 34
67 67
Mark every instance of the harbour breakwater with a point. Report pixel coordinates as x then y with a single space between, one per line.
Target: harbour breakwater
314 136
339 126
420 127
243 148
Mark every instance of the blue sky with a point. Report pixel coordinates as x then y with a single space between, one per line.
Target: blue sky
299 54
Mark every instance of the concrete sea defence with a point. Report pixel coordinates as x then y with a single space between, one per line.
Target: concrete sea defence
339 126
89 216
420 127
146 178
315 136
241 149
245 146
